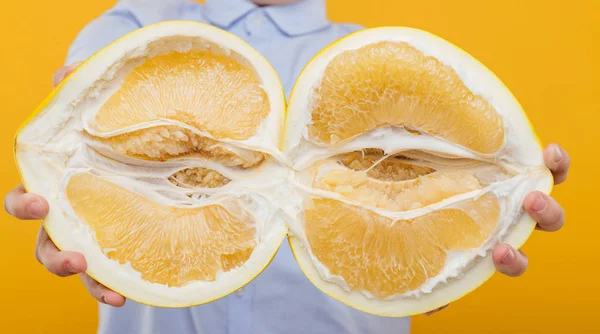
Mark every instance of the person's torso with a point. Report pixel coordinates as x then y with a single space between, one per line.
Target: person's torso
281 299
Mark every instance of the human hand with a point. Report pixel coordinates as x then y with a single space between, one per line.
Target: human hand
27 206
548 214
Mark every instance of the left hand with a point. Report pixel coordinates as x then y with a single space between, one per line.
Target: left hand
544 209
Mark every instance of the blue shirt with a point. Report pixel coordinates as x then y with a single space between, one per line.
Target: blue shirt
281 299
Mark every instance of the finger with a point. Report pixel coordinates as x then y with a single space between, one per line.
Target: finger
548 214
558 161
60 263
509 261
23 205
63 72
102 293
436 310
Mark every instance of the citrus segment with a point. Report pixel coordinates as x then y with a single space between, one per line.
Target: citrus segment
395 84
200 89
166 142
383 257
380 167
167 245
398 196
199 177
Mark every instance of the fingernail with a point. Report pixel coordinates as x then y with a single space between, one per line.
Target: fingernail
71 269
539 203
35 210
558 155
509 257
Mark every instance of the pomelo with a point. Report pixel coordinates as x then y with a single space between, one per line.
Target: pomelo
169 161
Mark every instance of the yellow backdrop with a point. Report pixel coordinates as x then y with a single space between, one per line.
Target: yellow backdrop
546 52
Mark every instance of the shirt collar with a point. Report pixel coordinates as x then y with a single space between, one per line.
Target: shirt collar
302 17
223 13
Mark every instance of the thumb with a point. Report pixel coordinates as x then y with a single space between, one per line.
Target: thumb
63 72
509 261
22 205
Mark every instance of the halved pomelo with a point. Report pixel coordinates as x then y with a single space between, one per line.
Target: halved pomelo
413 160
404 162
156 156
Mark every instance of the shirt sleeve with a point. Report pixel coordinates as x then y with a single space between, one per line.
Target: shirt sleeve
118 21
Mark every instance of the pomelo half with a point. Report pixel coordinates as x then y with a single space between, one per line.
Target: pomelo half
413 160
155 156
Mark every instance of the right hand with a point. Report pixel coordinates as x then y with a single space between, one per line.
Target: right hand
27 206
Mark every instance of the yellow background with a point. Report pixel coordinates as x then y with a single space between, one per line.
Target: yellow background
545 51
